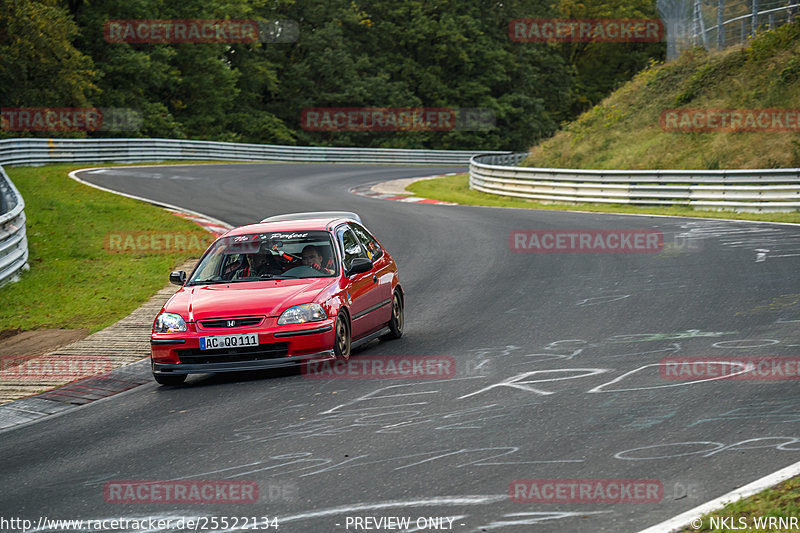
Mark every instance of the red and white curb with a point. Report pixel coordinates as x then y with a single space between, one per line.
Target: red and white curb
211 225
65 398
371 192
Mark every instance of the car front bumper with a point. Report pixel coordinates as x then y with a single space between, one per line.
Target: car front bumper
279 346
237 366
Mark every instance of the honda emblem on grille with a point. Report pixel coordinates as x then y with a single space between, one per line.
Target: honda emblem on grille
231 323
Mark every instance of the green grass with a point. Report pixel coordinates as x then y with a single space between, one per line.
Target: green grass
783 500
456 189
73 281
624 132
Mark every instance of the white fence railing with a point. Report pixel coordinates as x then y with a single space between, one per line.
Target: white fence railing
36 151
741 190
738 190
720 23
13 242
47 151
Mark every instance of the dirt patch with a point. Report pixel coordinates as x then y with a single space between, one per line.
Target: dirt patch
37 342
6 333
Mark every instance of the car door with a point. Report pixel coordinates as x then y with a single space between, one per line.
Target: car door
383 269
361 290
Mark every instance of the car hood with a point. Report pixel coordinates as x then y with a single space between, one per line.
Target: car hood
245 298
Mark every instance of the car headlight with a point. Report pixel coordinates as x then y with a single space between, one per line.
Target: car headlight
169 323
300 314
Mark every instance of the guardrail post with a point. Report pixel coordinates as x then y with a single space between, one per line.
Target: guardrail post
720 25
755 16
701 25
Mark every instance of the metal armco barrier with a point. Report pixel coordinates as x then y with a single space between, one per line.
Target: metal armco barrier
13 243
37 151
738 190
46 151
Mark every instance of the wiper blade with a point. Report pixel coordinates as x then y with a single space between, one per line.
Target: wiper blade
262 277
208 281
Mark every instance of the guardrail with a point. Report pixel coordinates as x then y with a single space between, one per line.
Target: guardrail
37 151
738 190
13 242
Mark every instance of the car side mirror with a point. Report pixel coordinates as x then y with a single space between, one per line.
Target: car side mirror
359 265
177 277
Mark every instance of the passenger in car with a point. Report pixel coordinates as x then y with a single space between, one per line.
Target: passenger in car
257 265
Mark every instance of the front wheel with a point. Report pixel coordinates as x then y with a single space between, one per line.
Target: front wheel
163 379
341 342
396 322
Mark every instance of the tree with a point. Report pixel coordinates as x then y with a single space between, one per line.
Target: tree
39 66
602 67
453 54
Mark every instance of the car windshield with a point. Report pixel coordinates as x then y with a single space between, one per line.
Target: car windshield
271 255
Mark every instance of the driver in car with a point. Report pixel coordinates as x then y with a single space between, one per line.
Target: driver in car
257 265
313 259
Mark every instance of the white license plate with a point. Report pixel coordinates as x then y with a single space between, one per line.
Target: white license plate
218 342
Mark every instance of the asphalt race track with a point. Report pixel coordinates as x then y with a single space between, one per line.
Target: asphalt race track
559 376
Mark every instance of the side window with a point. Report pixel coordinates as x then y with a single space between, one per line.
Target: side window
350 245
370 244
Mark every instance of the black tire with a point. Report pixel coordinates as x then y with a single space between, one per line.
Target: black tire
163 379
341 338
398 318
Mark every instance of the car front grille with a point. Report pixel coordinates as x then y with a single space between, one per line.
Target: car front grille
231 322
231 355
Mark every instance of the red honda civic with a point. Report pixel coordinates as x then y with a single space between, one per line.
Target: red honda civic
293 288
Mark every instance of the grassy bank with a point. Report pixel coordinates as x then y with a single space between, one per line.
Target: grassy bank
781 501
624 131
74 281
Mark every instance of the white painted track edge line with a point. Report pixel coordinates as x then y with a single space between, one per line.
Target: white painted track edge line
755 487
74 176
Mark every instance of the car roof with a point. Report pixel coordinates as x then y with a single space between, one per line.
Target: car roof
296 222
329 215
